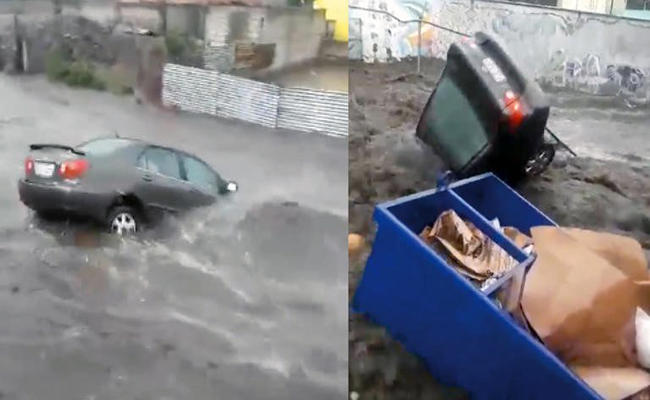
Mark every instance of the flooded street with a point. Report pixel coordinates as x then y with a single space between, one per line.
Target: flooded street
600 131
245 300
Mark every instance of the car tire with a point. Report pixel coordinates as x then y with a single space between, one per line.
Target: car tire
123 221
541 160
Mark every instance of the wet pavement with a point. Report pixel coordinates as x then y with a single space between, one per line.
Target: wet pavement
606 188
245 300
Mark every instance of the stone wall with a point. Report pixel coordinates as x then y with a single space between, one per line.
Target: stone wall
296 32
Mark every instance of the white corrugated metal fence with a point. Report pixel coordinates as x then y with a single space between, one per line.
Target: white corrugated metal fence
210 92
247 100
313 110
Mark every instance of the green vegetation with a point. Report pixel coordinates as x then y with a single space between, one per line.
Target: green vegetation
300 3
176 44
77 73
180 46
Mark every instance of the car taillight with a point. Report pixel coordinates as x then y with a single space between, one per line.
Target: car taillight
514 110
29 166
73 169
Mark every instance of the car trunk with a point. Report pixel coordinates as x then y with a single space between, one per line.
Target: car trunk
484 114
51 164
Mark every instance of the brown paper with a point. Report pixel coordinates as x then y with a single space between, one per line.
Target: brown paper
472 252
517 237
614 383
622 252
577 302
580 298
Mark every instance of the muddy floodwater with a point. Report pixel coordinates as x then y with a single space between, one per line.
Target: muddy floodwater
245 300
607 187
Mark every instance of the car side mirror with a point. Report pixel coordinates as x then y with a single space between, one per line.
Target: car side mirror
231 187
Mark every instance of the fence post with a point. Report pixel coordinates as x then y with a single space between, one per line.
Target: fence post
419 43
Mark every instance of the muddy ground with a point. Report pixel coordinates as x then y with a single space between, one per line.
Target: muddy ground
606 188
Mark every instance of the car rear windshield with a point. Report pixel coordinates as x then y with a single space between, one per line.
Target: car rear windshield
102 147
452 123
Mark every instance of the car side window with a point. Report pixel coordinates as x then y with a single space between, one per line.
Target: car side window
199 174
160 161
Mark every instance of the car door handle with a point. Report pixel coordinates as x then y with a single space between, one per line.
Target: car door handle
147 178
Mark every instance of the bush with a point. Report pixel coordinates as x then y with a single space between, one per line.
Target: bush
79 73
176 44
56 66
180 46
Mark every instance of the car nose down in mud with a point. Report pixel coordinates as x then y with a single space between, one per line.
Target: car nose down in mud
123 184
486 114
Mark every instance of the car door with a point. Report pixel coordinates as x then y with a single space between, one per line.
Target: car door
161 186
202 180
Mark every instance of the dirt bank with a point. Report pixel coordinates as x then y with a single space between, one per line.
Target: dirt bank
386 162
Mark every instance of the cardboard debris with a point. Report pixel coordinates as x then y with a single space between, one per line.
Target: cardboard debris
614 383
642 326
356 245
470 252
522 241
581 297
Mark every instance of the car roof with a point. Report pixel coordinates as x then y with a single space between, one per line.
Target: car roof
140 143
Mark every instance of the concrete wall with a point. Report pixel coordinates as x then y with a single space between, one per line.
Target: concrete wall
230 24
587 50
296 32
141 17
187 18
337 11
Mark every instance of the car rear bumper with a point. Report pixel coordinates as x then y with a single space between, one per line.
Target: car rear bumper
59 198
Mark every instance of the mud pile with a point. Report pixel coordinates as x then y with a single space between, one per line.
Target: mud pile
387 161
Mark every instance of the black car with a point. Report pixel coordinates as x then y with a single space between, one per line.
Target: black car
486 115
122 183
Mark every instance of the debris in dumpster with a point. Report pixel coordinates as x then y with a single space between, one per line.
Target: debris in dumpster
581 297
468 250
522 241
614 383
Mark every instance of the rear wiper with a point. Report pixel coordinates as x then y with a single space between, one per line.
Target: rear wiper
40 146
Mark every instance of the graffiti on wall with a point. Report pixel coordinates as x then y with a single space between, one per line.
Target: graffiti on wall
385 38
601 55
592 75
355 41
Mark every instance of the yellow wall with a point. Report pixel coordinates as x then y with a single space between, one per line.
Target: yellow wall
336 10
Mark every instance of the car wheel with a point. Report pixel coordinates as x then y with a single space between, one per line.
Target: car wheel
124 220
541 160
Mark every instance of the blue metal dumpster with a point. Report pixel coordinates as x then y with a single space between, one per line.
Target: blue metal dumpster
463 337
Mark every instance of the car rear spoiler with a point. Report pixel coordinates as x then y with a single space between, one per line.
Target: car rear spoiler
39 146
